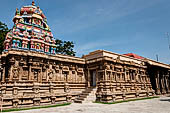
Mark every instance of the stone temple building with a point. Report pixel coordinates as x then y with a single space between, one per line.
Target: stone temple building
31 73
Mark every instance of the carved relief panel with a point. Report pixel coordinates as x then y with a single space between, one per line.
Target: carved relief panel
57 73
15 69
36 74
80 74
49 73
65 73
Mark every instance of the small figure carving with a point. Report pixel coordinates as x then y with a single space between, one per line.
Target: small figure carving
15 72
66 88
50 74
35 75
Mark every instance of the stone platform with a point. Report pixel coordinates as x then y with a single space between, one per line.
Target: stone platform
157 105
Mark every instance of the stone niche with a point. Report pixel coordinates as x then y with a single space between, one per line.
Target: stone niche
36 78
122 81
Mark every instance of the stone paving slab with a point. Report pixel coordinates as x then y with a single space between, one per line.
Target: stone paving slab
157 105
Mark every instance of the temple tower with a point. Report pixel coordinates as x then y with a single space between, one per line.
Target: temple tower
30 31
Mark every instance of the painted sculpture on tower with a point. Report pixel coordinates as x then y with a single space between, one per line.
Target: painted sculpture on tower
30 31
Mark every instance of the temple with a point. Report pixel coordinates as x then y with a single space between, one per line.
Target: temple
30 31
32 74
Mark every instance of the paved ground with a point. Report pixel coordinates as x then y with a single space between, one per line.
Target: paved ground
157 105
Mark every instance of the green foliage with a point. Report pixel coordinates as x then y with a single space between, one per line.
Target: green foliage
65 47
3 31
21 109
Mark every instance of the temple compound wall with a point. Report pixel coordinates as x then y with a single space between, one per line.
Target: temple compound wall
29 78
31 73
119 77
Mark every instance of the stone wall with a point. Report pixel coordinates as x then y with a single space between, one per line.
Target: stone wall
120 80
160 79
29 78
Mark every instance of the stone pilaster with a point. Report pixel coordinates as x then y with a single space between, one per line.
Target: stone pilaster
157 83
36 99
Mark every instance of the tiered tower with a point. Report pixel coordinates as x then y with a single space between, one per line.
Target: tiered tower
30 31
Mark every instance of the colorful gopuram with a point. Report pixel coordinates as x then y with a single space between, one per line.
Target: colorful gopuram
30 31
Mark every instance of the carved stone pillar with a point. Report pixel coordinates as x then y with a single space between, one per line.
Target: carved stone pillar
36 99
97 77
75 76
166 83
88 78
51 90
157 83
0 75
3 74
20 73
125 74
163 83
105 75
40 76
30 73
169 83
15 100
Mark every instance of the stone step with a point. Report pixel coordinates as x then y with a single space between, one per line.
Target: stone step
78 101
92 93
80 98
86 92
83 96
88 95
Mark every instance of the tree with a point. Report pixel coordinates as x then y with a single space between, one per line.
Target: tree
59 48
65 47
3 31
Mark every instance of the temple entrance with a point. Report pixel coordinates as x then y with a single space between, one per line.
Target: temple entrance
93 78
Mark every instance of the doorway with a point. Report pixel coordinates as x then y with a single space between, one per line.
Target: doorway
93 78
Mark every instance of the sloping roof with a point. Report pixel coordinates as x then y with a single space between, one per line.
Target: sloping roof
134 55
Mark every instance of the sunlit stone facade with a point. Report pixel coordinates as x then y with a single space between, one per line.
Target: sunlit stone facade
31 73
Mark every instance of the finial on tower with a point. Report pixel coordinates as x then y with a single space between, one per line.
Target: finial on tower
33 3
17 11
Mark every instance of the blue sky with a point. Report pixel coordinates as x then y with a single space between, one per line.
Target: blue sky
121 26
